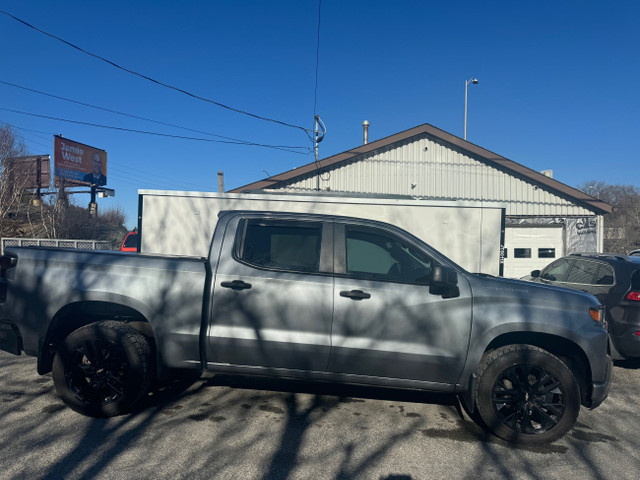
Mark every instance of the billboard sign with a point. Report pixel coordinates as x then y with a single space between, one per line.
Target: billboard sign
79 163
30 172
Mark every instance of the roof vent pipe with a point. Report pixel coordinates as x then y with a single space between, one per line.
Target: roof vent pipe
365 132
221 182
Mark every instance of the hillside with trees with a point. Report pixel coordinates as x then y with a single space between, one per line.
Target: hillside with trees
56 215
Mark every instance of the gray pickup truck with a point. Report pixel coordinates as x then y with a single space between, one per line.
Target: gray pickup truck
312 297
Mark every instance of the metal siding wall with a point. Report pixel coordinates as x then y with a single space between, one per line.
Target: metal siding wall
439 172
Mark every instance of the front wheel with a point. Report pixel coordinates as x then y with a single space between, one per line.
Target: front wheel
526 395
102 369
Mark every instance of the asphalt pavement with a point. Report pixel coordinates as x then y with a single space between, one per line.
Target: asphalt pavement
224 427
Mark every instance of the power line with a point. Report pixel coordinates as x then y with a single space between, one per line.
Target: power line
154 177
277 147
33 132
126 114
193 95
33 142
148 182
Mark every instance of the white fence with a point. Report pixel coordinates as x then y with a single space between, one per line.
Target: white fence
54 242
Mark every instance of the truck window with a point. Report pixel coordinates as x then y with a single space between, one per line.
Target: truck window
282 245
377 255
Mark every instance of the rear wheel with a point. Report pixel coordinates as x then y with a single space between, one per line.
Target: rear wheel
526 395
103 368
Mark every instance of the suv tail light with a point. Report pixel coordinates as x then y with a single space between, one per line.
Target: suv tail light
633 295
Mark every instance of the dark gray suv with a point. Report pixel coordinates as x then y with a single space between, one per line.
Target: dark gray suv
615 281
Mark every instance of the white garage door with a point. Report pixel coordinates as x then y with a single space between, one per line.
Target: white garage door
531 248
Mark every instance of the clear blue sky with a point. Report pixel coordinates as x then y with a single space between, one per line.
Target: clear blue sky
559 82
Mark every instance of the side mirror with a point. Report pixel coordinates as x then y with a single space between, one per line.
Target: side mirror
444 281
535 273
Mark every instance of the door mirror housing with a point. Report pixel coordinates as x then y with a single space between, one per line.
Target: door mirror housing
535 273
444 281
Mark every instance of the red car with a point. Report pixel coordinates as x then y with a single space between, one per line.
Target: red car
130 242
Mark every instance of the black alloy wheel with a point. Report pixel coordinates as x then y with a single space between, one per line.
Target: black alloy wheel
526 395
103 368
97 372
528 399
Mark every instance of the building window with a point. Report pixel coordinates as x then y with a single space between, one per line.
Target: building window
521 253
546 253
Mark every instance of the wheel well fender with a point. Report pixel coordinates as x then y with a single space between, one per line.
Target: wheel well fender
78 314
566 350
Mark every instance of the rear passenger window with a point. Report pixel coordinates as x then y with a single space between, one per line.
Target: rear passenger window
583 272
281 245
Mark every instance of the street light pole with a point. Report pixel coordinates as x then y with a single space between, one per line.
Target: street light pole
466 86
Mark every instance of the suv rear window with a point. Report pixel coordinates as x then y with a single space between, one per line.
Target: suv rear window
605 275
131 241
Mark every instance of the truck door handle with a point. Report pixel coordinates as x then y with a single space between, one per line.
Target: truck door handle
355 294
236 285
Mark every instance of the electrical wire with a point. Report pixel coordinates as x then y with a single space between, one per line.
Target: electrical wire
148 182
116 170
78 122
77 102
132 72
34 132
153 176
33 142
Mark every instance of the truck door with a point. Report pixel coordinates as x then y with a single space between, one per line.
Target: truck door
273 294
386 322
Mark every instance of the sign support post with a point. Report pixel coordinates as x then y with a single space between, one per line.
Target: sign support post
93 205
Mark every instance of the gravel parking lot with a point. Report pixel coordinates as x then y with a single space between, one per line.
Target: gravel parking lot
238 428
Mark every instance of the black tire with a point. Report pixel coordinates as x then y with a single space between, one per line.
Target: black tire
102 369
526 395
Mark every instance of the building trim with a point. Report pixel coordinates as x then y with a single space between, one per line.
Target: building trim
485 156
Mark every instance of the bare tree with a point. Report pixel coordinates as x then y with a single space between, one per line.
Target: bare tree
11 184
622 227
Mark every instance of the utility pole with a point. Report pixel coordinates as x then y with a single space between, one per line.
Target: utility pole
37 201
316 140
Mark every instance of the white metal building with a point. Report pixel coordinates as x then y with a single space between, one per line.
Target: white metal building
545 218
